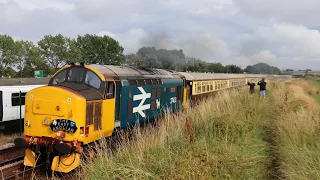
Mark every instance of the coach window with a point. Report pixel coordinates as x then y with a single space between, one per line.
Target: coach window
92 79
15 99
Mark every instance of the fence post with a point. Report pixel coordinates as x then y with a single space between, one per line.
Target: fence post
20 114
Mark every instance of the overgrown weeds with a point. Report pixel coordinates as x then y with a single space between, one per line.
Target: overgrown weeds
234 135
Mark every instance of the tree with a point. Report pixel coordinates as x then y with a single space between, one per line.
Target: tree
54 50
262 68
100 50
73 52
7 53
233 69
163 58
27 54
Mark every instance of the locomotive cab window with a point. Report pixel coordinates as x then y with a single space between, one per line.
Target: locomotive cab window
75 74
60 77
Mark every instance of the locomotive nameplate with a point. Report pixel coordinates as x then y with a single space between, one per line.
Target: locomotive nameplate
63 124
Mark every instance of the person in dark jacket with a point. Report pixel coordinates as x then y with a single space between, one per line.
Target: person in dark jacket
251 84
262 85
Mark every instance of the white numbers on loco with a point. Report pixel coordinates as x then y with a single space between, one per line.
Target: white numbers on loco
158 103
173 100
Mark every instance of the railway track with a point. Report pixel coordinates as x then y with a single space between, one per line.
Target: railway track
11 163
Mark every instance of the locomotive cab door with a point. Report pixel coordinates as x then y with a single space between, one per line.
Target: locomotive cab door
108 108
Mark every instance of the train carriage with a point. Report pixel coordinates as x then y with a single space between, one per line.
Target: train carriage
10 106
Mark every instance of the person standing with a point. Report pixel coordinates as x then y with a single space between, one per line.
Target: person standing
262 85
251 84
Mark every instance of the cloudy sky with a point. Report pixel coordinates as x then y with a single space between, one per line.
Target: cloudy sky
283 33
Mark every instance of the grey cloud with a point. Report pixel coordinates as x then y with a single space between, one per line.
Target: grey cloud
295 11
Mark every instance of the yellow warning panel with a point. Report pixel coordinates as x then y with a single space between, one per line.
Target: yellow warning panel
29 158
65 164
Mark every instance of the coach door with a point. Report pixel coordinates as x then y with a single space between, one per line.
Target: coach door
1 106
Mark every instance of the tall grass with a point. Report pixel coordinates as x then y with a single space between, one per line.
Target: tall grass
234 135
220 138
297 128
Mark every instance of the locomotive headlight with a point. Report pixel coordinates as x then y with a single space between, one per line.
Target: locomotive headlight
60 134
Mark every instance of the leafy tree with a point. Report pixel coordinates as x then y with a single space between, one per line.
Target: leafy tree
7 54
233 69
216 67
73 52
262 68
102 50
54 49
163 58
27 55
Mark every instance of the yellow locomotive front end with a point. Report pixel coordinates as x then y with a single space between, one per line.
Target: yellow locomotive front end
63 116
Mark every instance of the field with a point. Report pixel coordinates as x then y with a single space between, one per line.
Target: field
234 135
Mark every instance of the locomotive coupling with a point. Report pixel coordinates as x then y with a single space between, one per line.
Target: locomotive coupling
21 143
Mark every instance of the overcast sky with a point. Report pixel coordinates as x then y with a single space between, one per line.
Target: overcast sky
283 33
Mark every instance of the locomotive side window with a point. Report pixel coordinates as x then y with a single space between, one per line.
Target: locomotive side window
110 90
92 79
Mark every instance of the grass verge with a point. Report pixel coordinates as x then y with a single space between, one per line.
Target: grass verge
234 135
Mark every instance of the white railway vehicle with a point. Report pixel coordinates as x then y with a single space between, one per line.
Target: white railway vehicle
10 106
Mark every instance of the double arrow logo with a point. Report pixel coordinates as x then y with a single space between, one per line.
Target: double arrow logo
143 96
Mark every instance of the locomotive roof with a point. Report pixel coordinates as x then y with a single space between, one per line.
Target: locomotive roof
119 72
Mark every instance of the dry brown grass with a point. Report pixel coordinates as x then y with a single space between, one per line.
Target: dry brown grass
297 128
4 139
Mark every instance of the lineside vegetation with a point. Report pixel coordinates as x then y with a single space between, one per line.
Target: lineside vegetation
234 135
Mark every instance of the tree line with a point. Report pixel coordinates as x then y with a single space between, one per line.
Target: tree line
52 52
20 58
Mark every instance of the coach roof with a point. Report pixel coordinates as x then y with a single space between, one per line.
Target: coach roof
120 72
